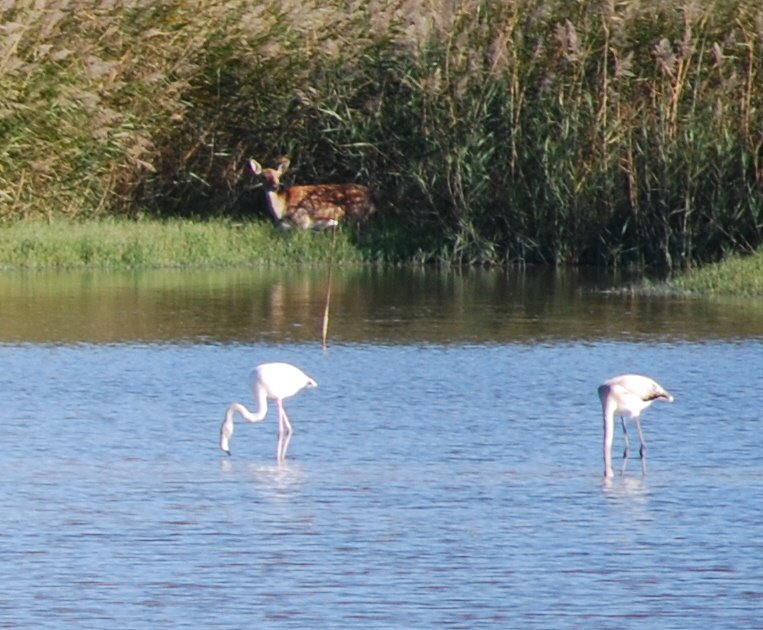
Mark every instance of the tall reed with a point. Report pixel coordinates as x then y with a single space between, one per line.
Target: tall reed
492 130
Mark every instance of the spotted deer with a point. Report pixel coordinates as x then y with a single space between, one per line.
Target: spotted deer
318 206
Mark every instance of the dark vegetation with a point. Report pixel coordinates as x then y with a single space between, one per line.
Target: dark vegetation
492 131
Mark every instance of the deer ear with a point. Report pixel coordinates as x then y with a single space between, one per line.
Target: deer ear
255 166
283 164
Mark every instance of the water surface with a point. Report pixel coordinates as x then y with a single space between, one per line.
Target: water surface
445 473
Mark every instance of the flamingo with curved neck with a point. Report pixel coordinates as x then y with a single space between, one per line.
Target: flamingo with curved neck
275 381
627 395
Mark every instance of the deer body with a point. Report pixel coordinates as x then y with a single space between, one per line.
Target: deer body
318 206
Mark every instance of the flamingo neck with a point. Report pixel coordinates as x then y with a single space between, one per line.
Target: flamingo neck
609 434
246 414
608 407
226 430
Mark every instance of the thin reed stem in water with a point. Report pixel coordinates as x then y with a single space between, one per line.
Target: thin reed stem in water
332 254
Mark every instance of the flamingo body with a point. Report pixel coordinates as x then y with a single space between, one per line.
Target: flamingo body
627 395
274 381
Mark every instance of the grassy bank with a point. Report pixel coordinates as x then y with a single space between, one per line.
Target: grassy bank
491 130
120 244
109 243
740 276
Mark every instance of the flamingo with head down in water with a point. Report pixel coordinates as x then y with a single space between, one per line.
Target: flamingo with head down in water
276 381
628 394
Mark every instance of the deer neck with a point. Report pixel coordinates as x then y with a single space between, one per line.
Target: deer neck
278 203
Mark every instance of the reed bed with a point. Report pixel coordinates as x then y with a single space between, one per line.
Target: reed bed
492 131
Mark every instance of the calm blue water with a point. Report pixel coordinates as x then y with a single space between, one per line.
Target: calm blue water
428 485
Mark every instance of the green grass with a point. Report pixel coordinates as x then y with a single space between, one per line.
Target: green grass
147 243
151 243
735 276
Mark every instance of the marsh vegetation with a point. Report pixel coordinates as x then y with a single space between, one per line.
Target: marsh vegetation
541 131
152 243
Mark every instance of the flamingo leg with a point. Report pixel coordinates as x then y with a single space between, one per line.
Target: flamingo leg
287 433
642 450
627 450
280 432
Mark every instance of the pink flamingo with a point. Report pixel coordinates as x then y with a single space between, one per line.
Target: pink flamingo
276 381
628 394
